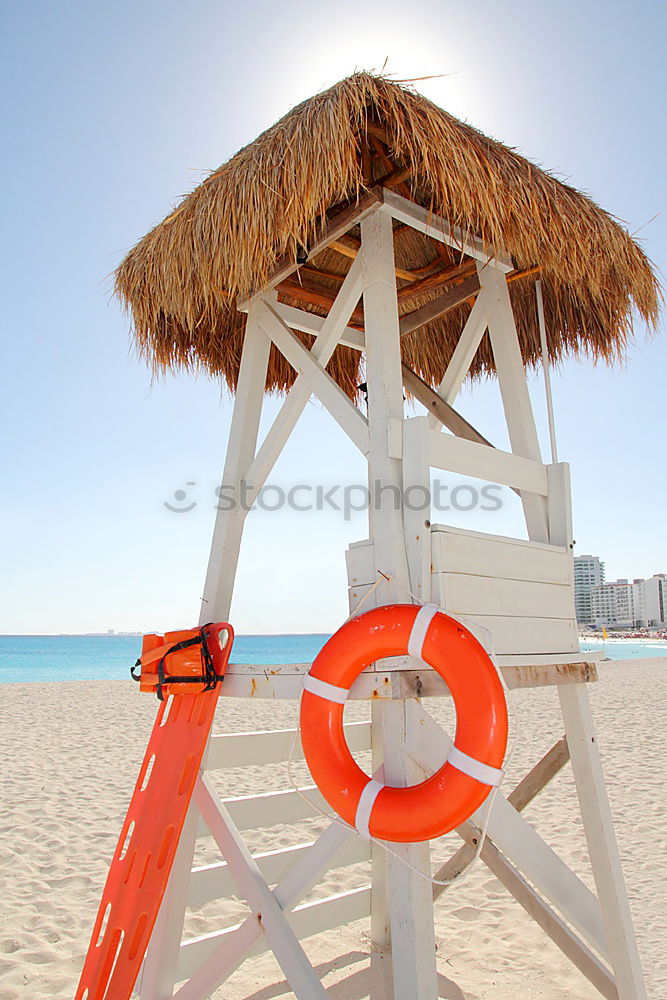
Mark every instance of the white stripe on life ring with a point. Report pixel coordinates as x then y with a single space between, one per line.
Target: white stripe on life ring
365 807
483 773
323 689
425 616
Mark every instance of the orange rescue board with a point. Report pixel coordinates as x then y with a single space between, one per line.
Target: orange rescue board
149 837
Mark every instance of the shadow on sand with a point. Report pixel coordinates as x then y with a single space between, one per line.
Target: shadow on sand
356 985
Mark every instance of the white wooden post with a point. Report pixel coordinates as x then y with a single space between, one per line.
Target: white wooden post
544 347
407 895
417 516
559 505
513 388
589 779
158 977
602 846
228 528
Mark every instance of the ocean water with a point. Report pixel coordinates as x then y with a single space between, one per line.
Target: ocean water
100 657
104 657
626 649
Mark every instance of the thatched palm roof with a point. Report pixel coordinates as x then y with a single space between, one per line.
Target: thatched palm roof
182 280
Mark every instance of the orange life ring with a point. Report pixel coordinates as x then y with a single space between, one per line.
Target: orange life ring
450 796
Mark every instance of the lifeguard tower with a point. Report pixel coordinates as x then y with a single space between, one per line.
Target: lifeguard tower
371 237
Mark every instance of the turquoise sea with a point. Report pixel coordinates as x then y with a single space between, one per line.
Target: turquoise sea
627 649
100 657
103 657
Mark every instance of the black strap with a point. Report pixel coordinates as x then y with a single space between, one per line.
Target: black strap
208 678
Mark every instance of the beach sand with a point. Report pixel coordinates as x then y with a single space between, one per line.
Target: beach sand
70 755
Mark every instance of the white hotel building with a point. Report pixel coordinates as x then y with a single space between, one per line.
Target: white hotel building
616 604
620 603
655 599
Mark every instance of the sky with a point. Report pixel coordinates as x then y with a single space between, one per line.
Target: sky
111 113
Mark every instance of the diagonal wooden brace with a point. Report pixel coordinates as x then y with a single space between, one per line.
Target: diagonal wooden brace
320 382
551 923
524 793
234 947
518 840
267 911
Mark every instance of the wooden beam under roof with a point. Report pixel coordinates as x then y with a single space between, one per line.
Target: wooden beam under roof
393 171
350 248
310 293
396 177
444 303
351 252
302 289
446 273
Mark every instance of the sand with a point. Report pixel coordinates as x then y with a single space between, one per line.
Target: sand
70 753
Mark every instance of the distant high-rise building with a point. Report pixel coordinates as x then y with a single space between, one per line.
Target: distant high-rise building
655 599
588 573
639 602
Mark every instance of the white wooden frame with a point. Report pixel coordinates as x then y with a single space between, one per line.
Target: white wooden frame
314 375
595 933
437 228
211 958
